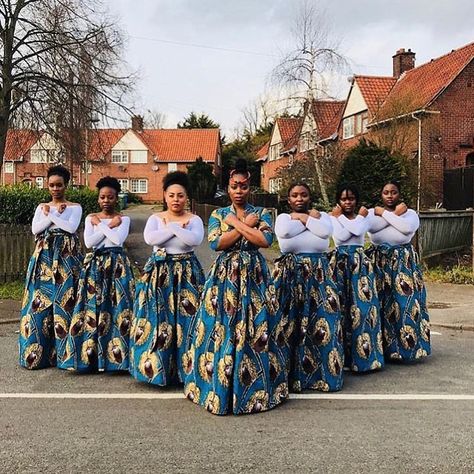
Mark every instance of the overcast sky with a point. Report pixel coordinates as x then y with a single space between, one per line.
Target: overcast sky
178 78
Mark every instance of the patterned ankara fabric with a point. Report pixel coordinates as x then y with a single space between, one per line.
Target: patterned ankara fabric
98 336
49 298
360 308
402 294
234 364
166 303
310 324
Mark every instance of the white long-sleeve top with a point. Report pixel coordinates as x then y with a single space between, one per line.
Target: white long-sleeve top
102 235
392 229
68 220
349 231
172 236
295 237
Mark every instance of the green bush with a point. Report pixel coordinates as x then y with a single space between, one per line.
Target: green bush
18 202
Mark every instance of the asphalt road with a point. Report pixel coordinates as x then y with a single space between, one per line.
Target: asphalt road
80 425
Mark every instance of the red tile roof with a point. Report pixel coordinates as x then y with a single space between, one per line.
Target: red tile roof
19 142
374 90
327 114
101 141
289 128
263 152
182 145
419 87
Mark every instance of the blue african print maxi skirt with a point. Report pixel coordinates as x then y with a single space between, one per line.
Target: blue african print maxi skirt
402 294
99 332
166 304
49 298
234 364
356 283
310 327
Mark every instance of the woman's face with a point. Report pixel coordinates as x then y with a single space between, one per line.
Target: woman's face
176 198
347 202
390 196
299 199
239 189
107 199
56 186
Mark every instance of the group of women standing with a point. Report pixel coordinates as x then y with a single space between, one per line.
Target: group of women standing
238 340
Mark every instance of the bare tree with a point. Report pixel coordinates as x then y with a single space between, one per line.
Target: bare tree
155 119
259 114
61 66
308 67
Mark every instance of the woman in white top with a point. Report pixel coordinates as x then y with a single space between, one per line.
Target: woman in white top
99 333
310 328
168 296
405 320
356 283
51 281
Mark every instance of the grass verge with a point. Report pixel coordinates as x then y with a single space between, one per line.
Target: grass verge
12 290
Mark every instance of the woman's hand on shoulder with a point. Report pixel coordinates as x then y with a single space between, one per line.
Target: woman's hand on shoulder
336 211
62 207
401 209
378 210
363 211
116 221
231 219
94 218
45 208
251 219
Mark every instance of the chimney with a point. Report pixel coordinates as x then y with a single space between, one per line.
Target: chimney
403 61
137 123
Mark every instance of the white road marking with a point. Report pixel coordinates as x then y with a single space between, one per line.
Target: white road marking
294 396
434 333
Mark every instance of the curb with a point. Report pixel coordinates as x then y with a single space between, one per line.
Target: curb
456 327
8 321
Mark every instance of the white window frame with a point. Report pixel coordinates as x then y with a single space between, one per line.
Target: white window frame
365 122
123 184
139 156
275 150
119 156
139 185
38 180
38 155
172 167
8 167
348 127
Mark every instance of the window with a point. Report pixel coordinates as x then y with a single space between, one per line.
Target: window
275 152
89 167
8 167
172 167
365 122
123 184
39 181
138 156
304 142
139 186
274 185
39 156
348 127
119 156
358 124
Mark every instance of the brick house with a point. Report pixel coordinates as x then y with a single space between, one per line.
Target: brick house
139 158
292 138
424 112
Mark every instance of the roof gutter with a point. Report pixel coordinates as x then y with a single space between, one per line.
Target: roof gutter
409 114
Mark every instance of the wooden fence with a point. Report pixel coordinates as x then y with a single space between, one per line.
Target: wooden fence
445 231
16 246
